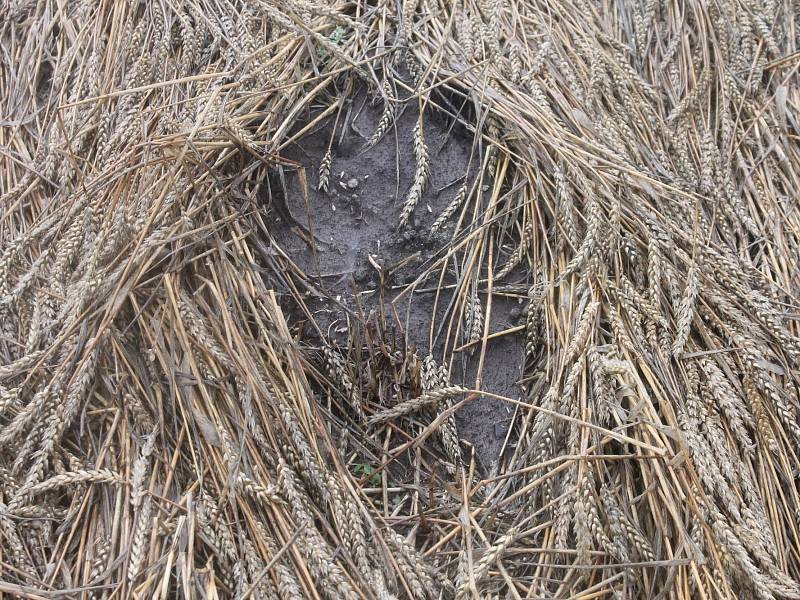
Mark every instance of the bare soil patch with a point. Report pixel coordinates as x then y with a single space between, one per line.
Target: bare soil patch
355 231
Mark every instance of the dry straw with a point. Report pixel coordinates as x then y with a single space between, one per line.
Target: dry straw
170 428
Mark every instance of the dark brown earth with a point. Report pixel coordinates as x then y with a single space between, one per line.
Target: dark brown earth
359 217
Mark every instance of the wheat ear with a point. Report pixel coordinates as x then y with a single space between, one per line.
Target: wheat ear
421 174
325 171
409 406
387 117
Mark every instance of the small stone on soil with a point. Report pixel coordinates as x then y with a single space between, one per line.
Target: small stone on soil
352 183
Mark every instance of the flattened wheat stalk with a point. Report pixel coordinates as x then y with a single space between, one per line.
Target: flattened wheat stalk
288 585
16 549
141 532
415 404
421 174
451 208
72 478
387 117
686 311
407 24
316 550
493 554
473 319
98 564
325 171
8 398
588 528
415 569
534 324
465 34
493 133
564 206
519 253
267 494
583 331
688 101
337 371
435 377
140 469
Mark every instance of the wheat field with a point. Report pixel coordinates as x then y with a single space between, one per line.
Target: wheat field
166 432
